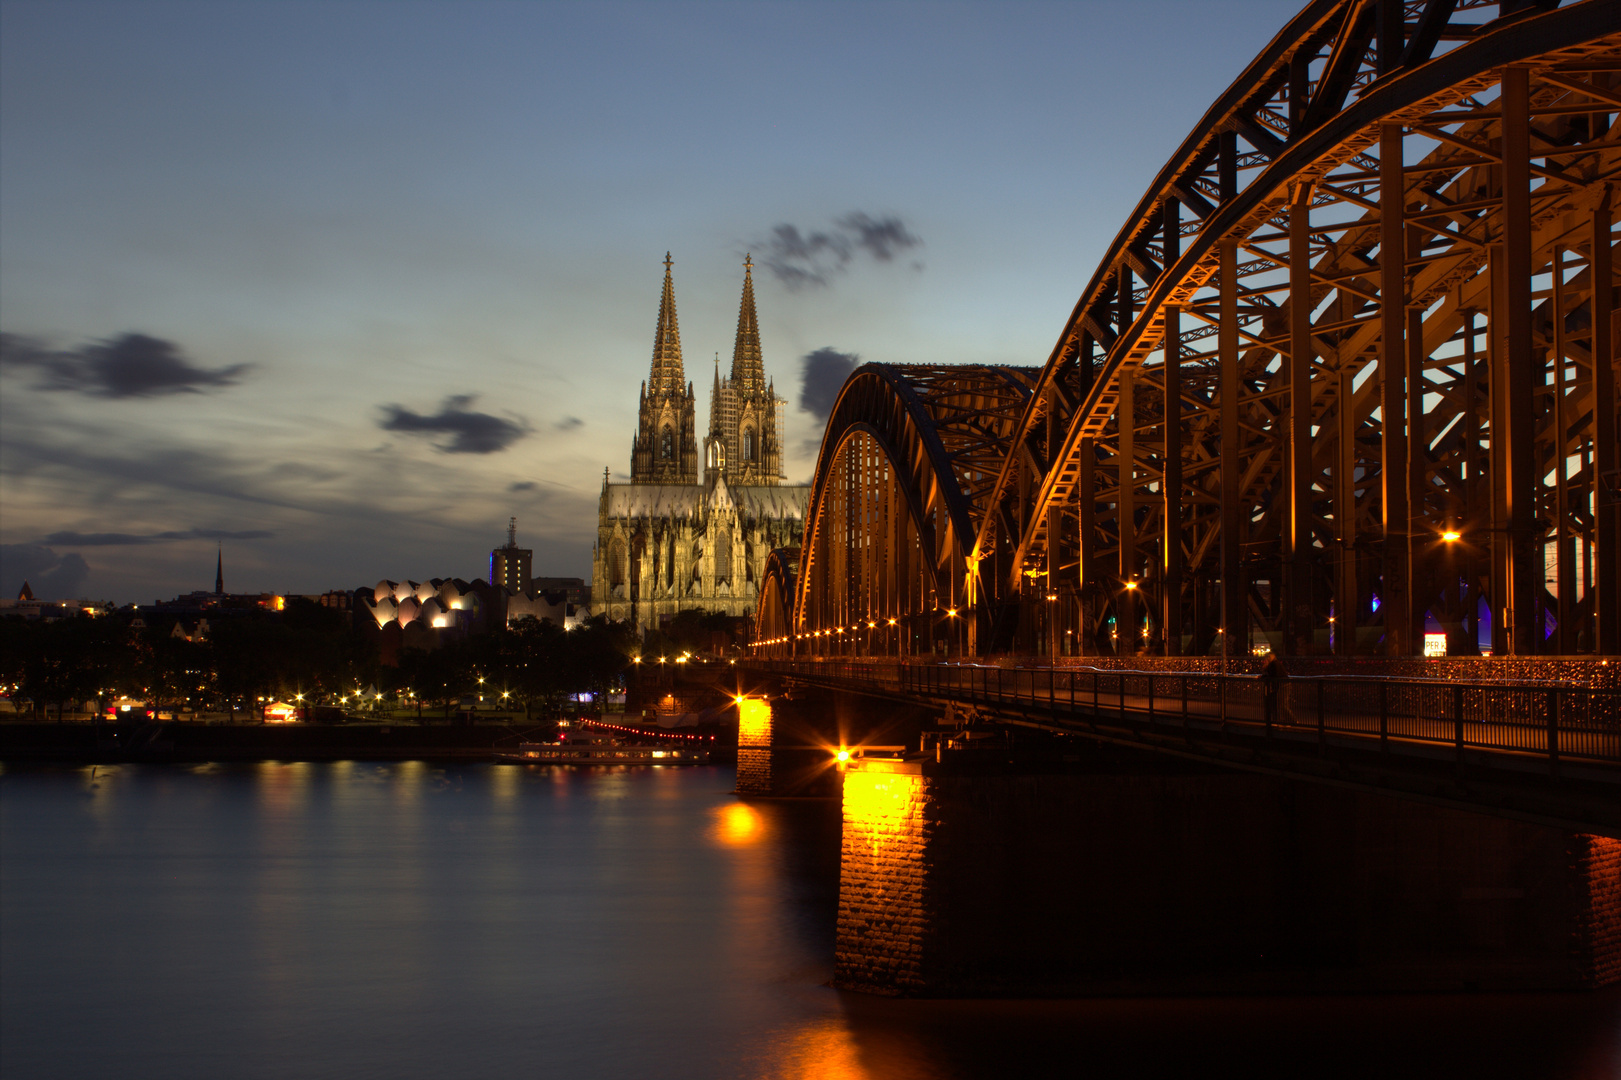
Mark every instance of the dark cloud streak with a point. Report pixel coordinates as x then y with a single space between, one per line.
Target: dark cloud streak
126 366
471 432
814 258
78 539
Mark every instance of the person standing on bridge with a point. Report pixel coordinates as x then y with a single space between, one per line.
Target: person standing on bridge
1277 690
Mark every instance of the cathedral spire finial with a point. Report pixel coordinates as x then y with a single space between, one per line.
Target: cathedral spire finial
219 571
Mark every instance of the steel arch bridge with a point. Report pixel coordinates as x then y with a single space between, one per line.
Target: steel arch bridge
1349 367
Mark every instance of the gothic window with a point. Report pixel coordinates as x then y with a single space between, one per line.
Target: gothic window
667 444
723 555
616 563
748 444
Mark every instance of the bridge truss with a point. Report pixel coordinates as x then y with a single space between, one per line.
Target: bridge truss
1347 369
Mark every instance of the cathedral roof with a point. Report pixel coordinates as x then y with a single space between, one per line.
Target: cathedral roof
687 500
668 376
748 365
652 500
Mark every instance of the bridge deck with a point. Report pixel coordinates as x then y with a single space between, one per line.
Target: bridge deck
1539 752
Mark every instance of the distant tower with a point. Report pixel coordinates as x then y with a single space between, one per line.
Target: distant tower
510 566
665 450
219 573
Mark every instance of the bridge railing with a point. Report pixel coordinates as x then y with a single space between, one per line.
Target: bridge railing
1523 723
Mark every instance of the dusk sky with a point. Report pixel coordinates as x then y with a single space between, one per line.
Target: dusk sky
343 286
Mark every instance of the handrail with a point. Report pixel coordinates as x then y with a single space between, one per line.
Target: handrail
1558 724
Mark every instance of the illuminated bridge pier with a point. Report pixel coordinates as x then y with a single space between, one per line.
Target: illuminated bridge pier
971 875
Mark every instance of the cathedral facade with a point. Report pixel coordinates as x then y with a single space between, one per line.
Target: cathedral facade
671 539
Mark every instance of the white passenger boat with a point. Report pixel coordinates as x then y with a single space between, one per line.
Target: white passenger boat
606 752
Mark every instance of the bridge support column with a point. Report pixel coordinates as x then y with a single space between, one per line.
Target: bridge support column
754 731
961 879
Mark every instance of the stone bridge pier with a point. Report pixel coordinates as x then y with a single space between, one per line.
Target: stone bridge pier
1104 870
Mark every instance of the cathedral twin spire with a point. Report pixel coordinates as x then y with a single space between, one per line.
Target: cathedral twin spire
667 376
743 407
748 365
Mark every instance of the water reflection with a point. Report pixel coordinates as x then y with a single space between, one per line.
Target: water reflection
738 824
414 920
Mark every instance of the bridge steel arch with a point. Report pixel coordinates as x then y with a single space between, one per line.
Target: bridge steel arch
1350 364
908 458
773 615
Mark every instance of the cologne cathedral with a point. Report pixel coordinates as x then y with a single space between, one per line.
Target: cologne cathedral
671 540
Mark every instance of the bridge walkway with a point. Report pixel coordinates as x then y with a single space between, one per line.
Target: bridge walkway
1534 751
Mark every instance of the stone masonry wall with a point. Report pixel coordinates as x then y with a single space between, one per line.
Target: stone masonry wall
1596 861
753 770
884 910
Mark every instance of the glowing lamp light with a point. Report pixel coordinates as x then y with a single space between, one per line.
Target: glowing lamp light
951 612
1131 585
892 622
1452 536
842 756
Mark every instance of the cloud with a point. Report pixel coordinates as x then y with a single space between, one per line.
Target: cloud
813 258
64 581
821 376
78 539
881 238
569 423
523 485
471 432
126 366
49 575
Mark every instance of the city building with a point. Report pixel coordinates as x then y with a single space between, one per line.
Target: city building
670 540
421 615
510 564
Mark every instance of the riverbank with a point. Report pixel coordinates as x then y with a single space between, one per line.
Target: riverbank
89 743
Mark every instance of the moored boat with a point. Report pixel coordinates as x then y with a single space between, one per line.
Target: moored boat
608 752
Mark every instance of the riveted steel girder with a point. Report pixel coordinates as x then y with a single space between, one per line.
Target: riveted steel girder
1348 371
907 461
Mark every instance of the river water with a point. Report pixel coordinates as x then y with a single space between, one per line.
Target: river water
417 920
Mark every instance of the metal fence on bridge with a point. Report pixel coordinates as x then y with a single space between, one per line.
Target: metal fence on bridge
1526 724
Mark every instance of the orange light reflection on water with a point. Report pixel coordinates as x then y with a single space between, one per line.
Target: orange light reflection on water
819 1049
738 825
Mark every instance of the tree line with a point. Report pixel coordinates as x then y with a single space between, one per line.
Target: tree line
308 654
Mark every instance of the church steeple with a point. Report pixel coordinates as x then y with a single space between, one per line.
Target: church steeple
748 365
219 573
668 376
665 450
